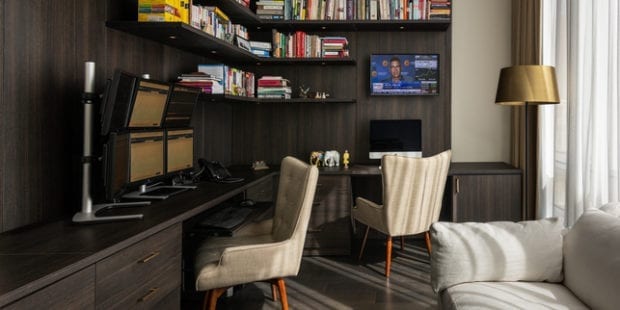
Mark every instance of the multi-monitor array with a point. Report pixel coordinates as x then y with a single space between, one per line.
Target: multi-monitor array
146 124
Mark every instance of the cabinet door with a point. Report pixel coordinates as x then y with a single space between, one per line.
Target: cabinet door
329 229
483 198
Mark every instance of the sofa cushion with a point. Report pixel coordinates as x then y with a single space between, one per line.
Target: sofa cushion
509 295
592 259
496 251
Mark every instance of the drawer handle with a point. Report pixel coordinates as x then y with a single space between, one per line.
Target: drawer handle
149 294
148 258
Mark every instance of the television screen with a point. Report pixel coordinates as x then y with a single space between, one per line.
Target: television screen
395 137
179 150
404 74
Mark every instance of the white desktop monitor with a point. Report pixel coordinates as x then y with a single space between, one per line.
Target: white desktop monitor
395 137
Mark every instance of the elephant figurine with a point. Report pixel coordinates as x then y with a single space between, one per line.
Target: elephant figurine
332 159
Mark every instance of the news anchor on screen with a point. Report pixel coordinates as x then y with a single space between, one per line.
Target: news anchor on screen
396 71
404 74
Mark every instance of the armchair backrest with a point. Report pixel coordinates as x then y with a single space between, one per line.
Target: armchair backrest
294 199
413 191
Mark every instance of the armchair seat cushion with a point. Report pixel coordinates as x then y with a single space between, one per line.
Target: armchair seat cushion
510 295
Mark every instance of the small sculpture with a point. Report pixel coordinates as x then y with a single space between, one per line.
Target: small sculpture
345 159
332 159
303 91
316 158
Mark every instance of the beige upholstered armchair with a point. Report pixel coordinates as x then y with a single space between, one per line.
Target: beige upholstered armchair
268 251
412 196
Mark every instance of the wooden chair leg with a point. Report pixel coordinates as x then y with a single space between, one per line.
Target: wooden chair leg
274 292
359 258
211 297
427 238
402 243
388 256
282 290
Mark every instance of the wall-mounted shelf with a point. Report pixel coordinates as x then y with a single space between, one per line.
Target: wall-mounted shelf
307 61
355 25
231 98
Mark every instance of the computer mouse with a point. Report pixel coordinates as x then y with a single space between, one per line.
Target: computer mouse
247 203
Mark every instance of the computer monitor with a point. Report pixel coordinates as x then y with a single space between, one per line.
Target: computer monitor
149 104
133 102
179 150
133 159
180 106
395 137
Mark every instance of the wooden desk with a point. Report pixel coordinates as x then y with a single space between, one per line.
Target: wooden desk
65 265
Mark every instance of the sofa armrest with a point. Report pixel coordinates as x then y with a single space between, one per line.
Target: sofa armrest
496 251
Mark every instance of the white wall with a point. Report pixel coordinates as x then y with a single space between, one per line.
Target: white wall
480 48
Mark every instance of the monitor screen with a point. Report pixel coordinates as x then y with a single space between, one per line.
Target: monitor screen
398 137
179 150
117 99
404 74
149 104
132 158
180 106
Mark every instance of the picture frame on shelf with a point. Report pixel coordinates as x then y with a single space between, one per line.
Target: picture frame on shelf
242 43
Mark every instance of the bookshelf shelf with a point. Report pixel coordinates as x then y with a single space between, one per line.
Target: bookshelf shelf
308 61
231 98
355 25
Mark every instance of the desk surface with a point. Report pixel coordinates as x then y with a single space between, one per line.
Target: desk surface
34 257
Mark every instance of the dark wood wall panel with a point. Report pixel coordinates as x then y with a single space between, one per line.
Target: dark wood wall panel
44 47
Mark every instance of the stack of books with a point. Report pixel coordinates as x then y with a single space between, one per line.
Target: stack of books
261 49
208 83
163 11
273 87
440 9
335 47
270 9
215 22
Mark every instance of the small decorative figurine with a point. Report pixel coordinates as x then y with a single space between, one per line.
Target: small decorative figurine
316 158
332 159
303 91
345 159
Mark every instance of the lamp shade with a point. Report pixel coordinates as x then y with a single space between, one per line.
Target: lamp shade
531 84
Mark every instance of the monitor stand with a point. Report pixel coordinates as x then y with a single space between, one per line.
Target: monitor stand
90 215
159 192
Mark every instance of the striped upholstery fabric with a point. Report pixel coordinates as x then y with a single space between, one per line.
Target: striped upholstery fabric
412 195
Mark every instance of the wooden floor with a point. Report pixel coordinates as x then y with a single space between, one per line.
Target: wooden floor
337 282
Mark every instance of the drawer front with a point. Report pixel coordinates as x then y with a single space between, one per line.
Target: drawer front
142 273
76 291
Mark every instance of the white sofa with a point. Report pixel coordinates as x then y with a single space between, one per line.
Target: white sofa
529 265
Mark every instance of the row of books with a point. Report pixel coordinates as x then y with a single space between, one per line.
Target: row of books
215 22
221 79
302 45
353 9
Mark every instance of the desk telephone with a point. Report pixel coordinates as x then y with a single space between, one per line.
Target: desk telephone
215 171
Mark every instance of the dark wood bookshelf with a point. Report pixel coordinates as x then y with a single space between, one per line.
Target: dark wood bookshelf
230 98
185 37
355 25
307 61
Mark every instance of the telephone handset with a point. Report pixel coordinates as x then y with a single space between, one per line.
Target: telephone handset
215 171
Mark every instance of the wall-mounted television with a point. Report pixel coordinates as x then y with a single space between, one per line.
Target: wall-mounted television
404 74
395 137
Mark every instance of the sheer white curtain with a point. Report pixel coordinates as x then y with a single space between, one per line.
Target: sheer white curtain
579 138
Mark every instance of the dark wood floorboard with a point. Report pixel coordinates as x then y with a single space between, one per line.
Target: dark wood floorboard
339 282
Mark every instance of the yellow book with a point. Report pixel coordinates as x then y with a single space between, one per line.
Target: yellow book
157 17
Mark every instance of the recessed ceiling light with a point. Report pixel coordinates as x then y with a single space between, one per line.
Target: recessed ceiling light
172 37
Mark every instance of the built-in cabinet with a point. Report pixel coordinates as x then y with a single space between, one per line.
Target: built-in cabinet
483 192
329 229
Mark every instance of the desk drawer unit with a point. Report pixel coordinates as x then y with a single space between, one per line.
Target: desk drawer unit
141 275
76 291
329 229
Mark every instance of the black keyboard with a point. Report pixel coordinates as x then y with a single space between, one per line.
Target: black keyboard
227 218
